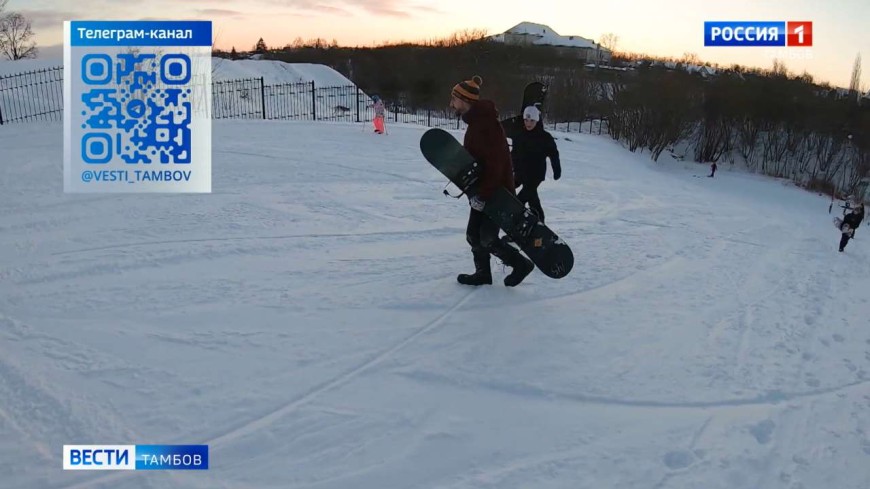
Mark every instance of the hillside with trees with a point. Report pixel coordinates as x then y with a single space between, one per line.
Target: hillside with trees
771 121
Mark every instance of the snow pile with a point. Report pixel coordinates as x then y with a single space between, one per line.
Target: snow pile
273 72
277 72
237 90
24 65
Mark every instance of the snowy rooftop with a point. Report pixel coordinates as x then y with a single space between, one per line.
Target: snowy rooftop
547 36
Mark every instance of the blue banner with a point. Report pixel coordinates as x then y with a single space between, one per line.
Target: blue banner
742 33
171 457
140 33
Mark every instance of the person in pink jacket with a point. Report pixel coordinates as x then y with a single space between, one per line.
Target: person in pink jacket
378 121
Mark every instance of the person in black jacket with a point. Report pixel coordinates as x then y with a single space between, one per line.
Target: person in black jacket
850 223
530 151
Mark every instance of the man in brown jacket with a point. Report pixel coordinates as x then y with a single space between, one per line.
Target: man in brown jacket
486 141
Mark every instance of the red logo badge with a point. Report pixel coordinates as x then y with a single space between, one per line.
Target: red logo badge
799 34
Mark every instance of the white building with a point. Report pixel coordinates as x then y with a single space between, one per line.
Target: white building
528 33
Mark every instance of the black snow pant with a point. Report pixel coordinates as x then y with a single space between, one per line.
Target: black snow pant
529 194
844 240
482 235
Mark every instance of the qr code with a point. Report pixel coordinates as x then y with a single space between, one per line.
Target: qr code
136 107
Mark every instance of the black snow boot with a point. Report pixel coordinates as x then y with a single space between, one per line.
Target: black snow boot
482 273
844 241
522 269
521 265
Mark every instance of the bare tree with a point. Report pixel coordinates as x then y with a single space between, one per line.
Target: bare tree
748 136
15 35
215 64
462 37
691 59
855 84
779 69
610 41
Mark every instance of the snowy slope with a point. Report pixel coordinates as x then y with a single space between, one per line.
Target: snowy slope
304 322
273 72
24 65
287 93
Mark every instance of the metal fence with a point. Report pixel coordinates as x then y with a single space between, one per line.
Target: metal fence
254 99
32 96
38 96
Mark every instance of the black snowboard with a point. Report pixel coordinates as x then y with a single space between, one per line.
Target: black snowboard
550 254
535 93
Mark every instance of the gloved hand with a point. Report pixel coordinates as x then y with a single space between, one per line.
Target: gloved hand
476 203
557 174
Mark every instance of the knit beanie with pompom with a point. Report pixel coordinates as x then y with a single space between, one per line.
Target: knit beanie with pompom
468 90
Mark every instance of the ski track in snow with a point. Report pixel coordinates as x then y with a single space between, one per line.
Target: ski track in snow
305 319
262 422
527 391
445 231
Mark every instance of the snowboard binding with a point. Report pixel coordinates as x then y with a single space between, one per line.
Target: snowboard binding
521 228
466 180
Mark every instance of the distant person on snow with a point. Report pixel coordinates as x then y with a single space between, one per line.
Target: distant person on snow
531 148
378 121
712 170
487 143
851 221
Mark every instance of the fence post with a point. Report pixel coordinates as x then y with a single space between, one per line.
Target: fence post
357 104
263 96
428 117
313 101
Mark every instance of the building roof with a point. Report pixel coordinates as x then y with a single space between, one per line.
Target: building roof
548 37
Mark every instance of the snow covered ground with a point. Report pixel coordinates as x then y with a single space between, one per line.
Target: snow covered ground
304 321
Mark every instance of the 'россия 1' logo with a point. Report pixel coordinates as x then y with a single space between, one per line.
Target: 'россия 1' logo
762 33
